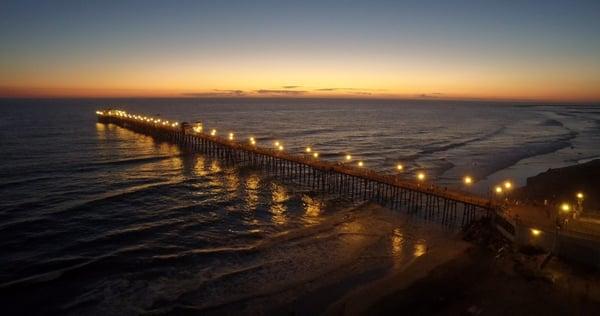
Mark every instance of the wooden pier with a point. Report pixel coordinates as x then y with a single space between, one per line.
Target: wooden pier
352 182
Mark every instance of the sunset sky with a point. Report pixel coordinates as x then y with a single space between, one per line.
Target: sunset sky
523 50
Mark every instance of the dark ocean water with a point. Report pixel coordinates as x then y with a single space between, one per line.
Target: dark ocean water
96 219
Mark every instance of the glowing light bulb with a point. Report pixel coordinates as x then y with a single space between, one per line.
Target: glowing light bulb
400 167
579 195
507 184
280 147
468 180
498 189
360 163
308 149
230 136
316 155
421 176
348 157
565 207
213 132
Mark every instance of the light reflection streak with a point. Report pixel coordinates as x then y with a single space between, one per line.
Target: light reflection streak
252 185
397 242
312 209
420 248
278 209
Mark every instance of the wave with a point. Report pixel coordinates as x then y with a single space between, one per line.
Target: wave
507 159
435 149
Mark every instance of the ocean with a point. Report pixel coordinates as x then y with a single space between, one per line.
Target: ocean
96 219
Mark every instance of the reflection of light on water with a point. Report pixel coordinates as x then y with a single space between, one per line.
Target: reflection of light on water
397 241
278 209
232 181
420 248
312 209
199 166
214 167
252 184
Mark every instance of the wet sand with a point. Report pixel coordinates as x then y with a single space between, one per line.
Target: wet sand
493 279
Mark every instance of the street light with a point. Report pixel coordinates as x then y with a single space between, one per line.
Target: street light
498 189
399 167
579 196
468 180
348 157
230 136
252 141
536 232
360 163
280 148
507 184
316 155
421 176
213 132
565 207
308 149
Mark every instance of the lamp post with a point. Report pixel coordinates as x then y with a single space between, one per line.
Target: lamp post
580 197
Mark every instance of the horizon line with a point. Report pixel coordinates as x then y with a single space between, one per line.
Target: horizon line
313 97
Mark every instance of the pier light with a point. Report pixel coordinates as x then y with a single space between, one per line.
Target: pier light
507 185
468 180
277 144
580 196
360 163
280 147
197 128
230 136
399 167
421 176
535 232
348 157
565 207
308 149
213 132
498 189
316 155
252 141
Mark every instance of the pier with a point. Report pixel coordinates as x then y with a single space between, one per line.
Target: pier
353 182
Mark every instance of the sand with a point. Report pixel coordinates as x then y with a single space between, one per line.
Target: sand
490 277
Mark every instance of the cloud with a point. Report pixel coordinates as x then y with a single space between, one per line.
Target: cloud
291 87
347 89
432 95
216 93
280 92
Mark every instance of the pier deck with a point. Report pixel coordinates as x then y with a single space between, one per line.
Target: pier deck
353 182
